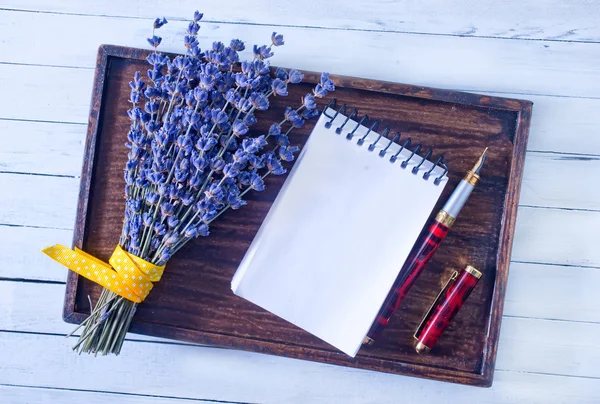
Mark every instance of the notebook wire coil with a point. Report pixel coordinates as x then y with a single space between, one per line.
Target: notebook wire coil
383 137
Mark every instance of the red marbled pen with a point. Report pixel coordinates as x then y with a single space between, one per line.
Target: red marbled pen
424 249
445 307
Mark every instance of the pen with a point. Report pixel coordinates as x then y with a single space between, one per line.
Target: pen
424 249
445 307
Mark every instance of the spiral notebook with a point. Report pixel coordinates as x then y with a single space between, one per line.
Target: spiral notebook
340 229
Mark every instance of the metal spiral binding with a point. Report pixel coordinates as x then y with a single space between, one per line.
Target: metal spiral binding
374 127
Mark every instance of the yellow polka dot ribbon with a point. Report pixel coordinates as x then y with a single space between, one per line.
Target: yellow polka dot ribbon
125 274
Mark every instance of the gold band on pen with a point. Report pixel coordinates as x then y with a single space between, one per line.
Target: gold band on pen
445 218
473 271
471 178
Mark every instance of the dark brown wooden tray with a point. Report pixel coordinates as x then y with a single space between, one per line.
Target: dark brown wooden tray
205 310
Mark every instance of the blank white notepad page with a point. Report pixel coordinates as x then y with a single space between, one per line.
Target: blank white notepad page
337 235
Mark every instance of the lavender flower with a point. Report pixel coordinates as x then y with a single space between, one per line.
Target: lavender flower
237 45
295 76
277 39
160 22
154 41
194 152
279 87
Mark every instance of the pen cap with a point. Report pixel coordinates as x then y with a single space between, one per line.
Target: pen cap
445 307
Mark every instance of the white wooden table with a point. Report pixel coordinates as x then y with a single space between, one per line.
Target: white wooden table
545 51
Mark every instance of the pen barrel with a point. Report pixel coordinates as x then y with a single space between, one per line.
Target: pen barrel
446 306
458 198
412 268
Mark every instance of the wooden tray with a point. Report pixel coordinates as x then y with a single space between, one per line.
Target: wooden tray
205 310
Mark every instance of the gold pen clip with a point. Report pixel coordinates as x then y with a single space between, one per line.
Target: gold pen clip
452 278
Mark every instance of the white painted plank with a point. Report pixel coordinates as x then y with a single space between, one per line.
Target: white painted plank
42 395
39 201
560 181
20 249
552 292
551 19
557 236
208 373
553 68
45 93
41 148
563 124
546 346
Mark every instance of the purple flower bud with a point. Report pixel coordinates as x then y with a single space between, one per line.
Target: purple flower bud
241 80
190 41
286 153
154 41
240 128
206 143
273 164
200 94
295 76
229 171
256 182
277 39
244 105
160 229
171 240
198 16
275 129
165 255
309 101
218 116
218 46
203 230
259 101
232 96
255 162
217 164
279 87
151 198
160 22
262 52
193 28
319 91
310 113
237 45
281 73
167 208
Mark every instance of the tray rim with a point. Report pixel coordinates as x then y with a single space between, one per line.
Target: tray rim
484 378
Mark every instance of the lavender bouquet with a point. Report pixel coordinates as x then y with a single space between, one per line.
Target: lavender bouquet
191 155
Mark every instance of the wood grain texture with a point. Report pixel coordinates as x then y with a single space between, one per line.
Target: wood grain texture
556 20
458 124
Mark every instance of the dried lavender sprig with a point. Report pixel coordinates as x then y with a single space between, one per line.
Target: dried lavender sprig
162 178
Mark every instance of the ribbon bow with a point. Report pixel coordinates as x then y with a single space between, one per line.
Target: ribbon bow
125 274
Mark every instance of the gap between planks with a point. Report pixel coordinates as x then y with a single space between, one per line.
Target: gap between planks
16 394
529 67
190 371
554 21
